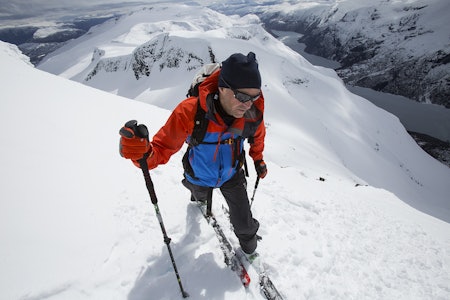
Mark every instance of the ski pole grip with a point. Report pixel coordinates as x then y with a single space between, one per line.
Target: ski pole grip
139 130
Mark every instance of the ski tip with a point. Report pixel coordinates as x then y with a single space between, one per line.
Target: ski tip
245 279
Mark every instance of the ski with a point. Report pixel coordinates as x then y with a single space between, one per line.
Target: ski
230 257
266 285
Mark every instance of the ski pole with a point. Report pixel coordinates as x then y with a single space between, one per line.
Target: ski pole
151 191
141 131
254 191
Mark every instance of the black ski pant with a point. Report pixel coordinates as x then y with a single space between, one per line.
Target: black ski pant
235 193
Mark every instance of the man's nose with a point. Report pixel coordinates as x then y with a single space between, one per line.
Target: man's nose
248 104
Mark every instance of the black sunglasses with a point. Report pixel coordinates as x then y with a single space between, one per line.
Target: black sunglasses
242 97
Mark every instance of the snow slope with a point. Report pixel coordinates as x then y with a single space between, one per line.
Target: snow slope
76 221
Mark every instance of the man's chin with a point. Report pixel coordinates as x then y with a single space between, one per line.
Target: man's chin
239 114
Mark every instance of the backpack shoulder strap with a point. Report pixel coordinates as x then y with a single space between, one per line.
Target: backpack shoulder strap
200 126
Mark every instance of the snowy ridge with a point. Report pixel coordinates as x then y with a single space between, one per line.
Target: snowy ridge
70 205
13 53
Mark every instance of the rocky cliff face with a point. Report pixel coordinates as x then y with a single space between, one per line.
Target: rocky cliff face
159 53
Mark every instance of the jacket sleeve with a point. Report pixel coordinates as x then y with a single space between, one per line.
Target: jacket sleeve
170 138
257 147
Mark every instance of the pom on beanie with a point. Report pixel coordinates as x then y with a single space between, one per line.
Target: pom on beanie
240 71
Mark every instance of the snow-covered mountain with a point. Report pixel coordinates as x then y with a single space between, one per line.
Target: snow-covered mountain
127 56
375 227
400 47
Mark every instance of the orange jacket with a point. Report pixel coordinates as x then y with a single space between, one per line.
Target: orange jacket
178 128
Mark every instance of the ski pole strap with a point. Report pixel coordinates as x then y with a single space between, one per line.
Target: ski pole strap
148 180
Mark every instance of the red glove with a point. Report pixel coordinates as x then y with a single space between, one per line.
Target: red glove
134 143
261 168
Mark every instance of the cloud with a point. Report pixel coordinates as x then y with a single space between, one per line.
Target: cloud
19 9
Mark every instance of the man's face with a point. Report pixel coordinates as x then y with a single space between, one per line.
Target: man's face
233 106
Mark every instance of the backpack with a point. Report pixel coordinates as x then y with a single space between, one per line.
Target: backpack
200 76
200 122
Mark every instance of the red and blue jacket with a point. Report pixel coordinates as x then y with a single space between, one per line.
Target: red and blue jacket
216 159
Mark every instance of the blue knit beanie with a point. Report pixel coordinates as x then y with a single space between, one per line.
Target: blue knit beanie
240 71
